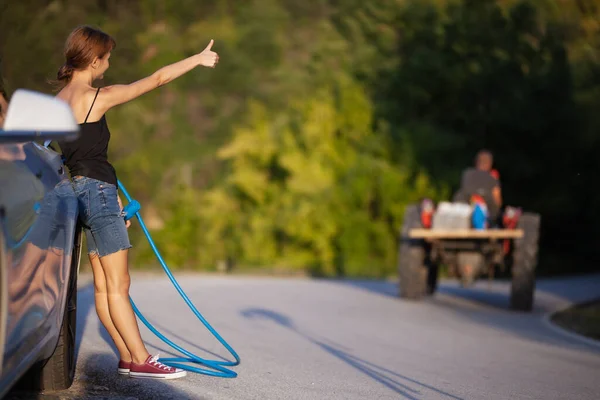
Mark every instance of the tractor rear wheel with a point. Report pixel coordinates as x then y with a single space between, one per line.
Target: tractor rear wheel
412 271
525 256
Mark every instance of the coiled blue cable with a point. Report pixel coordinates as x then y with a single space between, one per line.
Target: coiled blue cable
218 367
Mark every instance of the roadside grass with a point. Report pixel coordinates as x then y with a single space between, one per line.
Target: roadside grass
583 319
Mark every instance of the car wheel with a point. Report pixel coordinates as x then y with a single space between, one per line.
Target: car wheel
58 371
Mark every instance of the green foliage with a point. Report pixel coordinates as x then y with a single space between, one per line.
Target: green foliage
312 186
325 118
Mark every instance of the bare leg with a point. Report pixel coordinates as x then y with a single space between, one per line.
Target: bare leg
101 296
121 312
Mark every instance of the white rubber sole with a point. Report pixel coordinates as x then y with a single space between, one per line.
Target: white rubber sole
145 375
123 371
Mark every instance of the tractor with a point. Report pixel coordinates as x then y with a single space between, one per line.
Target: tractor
446 234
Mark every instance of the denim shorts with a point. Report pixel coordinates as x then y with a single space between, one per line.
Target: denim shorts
101 216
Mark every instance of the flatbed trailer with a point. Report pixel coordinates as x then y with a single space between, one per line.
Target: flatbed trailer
469 254
492 234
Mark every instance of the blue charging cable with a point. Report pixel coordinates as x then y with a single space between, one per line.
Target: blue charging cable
218 367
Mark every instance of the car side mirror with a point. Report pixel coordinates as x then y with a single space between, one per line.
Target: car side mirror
33 116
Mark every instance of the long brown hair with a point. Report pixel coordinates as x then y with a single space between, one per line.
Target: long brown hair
3 92
82 46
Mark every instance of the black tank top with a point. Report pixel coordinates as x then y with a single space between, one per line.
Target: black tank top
88 154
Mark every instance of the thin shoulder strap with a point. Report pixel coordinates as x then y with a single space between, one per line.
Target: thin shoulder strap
92 106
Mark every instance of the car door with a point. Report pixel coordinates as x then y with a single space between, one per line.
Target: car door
55 229
38 223
38 214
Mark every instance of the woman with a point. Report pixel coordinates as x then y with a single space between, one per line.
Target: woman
87 52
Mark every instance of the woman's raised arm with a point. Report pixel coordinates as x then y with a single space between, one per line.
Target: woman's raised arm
119 94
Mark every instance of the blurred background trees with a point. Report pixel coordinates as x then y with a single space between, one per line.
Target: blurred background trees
325 118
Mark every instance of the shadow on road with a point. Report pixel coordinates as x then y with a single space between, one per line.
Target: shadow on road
549 292
96 375
174 336
489 305
86 305
385 288
402 385
99 379
477 294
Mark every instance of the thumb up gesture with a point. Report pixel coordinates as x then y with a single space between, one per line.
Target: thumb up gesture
209 58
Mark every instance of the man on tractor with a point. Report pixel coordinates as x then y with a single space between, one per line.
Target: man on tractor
481 184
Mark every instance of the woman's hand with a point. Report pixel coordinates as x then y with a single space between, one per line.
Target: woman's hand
208 58
128 222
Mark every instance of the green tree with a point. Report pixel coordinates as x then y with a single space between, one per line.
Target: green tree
314 187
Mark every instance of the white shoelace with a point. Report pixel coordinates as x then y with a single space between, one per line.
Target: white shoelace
154 361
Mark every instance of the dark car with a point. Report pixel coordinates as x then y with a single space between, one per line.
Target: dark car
40 243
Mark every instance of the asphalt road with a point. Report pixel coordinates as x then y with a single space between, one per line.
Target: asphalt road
307 339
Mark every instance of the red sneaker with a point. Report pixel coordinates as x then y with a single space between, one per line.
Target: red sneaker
154 369
124 367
